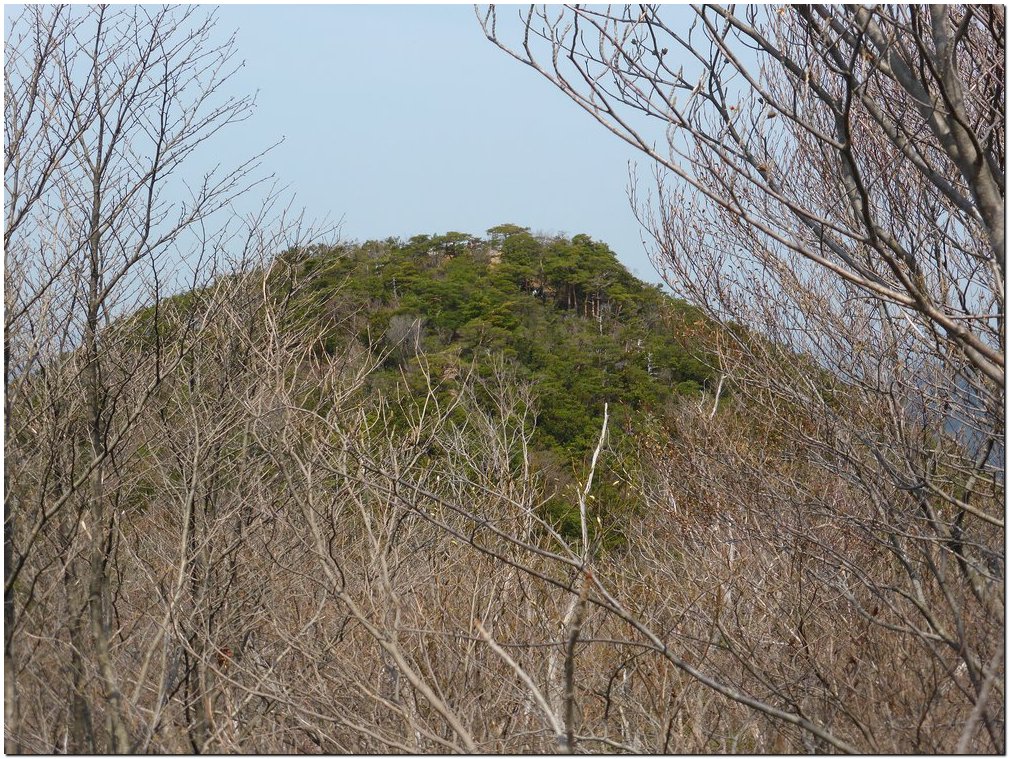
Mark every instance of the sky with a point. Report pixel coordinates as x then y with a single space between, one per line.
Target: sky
404 120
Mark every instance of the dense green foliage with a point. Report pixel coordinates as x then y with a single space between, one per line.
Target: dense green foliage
568 319
564 312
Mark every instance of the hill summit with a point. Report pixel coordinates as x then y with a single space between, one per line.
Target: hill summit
563 312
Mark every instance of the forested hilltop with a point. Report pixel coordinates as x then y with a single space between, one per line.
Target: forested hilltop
561 318
561 315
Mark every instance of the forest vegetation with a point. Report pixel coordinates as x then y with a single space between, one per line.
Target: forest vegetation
270 492
453 313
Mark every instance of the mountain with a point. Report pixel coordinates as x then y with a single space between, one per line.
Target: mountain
562 315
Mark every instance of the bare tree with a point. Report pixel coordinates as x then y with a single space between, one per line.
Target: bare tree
103 108
832 179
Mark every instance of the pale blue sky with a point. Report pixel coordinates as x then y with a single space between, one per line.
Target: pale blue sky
404 120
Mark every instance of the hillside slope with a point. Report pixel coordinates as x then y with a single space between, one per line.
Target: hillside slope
562 314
